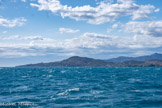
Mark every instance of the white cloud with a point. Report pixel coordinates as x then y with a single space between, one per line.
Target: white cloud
157 10
103 12
23 0
93 40
115 26
88 43
29 38
67 30
12 23
149 28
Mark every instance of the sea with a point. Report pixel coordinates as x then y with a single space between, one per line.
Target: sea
81 87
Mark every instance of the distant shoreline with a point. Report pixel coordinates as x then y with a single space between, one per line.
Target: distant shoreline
154 60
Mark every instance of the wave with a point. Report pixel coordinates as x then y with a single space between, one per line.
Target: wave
66 92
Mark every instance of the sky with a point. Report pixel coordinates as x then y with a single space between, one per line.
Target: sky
33 31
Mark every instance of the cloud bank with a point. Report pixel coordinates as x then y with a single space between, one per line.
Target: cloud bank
147 28
86 44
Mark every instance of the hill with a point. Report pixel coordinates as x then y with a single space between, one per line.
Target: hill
74 61
155 56
149 63
77 61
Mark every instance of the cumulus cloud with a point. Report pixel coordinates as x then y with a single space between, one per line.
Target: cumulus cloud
103 12
157 10
88 43
149 28
115 26
67 30
93 40
12 23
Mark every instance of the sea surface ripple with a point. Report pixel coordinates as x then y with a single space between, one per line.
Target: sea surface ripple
83 87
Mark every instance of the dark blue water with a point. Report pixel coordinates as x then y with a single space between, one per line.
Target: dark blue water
82 87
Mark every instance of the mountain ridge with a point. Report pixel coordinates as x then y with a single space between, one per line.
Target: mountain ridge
76 61
155 56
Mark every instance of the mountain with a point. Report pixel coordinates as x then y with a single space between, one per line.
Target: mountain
77 61
155 56
149 63
74 61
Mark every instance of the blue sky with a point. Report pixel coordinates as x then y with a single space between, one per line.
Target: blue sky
33 31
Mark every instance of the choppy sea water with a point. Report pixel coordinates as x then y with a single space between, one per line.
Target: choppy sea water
82 87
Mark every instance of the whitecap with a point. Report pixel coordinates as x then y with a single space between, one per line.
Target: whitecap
137 91
24 76
51 71
74 89
66 92
63 71
49 76
22 87
132 80
63 93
